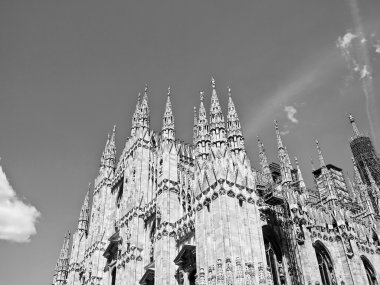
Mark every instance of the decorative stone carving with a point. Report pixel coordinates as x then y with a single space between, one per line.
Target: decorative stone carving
229 272
300 236
219 272
348 247
261 273
201 278
239 272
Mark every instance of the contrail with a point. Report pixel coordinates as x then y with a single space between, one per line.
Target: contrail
300 84
361 64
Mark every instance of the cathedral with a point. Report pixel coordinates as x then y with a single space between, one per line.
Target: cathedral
168 212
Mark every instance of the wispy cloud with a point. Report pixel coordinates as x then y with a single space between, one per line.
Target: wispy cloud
301 83
355 49
17 219
285 132
290 113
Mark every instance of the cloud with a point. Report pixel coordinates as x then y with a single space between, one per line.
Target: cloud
17 219
284 133
358 59
300 83
345 41
290 112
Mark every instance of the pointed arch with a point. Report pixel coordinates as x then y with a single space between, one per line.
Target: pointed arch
369 270
325 264
274 255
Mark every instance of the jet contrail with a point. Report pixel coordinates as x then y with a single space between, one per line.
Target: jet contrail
359 61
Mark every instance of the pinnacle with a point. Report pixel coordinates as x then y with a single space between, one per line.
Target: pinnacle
279 140
320 155
213 83
216 114
233 125
168 130
354 126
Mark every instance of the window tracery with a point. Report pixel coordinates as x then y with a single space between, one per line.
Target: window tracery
274 262
370 271
325 265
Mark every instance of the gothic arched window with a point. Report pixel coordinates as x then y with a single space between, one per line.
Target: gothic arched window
325 265
370 271
273 256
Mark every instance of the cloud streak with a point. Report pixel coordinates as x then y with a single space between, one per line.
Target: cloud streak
300 84
17 219
354 48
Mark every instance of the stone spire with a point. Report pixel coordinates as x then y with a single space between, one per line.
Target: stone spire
62 267
144 110
110 151
84 216
302 185
103 158
195 126
203 137
320 156
264 161
354 126
326 173
234 132
285 164
168 130
217 126
136 116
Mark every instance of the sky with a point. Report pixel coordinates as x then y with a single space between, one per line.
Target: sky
70 70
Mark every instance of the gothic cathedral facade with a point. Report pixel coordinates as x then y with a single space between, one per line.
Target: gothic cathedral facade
167 212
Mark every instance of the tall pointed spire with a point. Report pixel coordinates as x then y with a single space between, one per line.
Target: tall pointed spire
203 137
234 132
110 151
320 155
354 126
326 174
301 182
217 126
168 130
136 116
195 126
103 157
84 216
283 156
279 140
144 110
62 267
264 161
